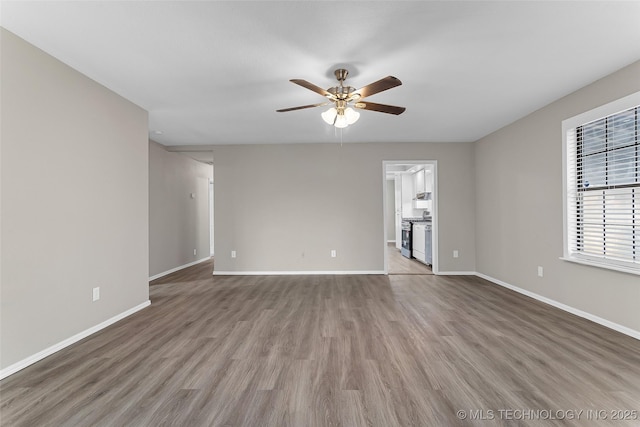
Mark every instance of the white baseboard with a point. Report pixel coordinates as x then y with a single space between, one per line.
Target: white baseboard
290 273
12 369
456 273
599 320
173 270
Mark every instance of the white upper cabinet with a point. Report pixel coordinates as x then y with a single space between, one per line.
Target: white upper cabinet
420 181
420 187
408 194
428 181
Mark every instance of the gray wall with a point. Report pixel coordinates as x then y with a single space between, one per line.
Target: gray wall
519 209
274 203
74 202
178 224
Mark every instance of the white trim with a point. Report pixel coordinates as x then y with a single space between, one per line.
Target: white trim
456 273
565 190
391 241
591 263
12 369
173 270
599 320
569 124
293 273
602 111
435 234
434 214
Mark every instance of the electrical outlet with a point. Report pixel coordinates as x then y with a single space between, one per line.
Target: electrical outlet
233 254
333 253
455 253
195 252
96 293
540 271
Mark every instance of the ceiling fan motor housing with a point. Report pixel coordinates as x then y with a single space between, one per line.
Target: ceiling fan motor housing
341 74
341 92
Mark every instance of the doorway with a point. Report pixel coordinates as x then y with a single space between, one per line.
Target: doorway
205 157
410 198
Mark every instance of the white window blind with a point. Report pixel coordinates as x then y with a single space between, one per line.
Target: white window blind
603 190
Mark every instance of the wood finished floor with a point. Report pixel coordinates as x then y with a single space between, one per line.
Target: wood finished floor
397 264
329 351
200 271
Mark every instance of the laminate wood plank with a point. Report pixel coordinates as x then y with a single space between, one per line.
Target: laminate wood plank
175 409
298 393
379 408
398 264
143 403
199 271
351 408
399 350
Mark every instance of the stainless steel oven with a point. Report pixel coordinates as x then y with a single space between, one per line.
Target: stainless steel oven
406 239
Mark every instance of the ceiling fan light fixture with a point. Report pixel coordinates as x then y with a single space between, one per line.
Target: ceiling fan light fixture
340 118
329 116
351 115
341 121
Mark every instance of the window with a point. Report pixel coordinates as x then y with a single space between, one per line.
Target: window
602 186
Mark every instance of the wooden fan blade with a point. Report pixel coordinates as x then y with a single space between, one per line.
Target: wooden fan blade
379 86
313 87
303 107
383 108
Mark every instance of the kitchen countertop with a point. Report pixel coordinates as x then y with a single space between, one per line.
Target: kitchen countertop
428 219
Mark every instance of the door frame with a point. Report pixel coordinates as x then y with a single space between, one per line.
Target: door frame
434 213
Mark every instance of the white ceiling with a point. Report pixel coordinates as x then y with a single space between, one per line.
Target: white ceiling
215 72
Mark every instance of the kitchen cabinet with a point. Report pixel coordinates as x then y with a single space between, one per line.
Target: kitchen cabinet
408 194
421 239
421 204
419 185
418 242
419 181
428 181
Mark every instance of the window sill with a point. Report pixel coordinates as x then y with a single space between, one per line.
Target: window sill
620 268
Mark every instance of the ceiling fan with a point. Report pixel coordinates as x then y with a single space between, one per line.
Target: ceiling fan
344 97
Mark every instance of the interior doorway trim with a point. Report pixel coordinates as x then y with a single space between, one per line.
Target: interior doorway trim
434 213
